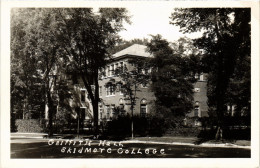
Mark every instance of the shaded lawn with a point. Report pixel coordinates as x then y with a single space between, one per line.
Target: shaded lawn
168 139
193 140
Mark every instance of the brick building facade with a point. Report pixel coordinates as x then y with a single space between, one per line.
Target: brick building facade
110 86
111 96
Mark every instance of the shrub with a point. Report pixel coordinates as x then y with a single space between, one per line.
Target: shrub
187 132
157 126
12 122
121 127
28 125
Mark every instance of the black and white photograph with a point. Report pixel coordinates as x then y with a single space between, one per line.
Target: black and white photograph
154 81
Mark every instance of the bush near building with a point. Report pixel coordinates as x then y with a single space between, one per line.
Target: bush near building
28 125
120 127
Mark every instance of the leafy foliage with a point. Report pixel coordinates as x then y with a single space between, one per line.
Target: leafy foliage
171 81
120 128
28 125
225 42
50 39
131 78
86 38
26 82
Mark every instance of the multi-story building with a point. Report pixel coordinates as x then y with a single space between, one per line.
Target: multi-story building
110 86
200 97
200 107
113 98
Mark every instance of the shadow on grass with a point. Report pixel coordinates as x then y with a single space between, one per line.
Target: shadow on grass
229 136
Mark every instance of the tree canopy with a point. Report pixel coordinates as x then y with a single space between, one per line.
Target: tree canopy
75 38
171 79
226 45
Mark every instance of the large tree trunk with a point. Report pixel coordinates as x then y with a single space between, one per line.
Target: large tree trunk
220 110
219 134
95 104
95 116
221 85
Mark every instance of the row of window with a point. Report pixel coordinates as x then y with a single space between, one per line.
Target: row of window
110 69
110 91
109 111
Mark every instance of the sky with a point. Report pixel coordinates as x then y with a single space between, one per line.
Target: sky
152 20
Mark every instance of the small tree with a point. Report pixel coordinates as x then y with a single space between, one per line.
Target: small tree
131 78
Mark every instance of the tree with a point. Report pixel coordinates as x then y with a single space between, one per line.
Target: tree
26 83
225 40
85 38
72 37
171 81
130 79
33 44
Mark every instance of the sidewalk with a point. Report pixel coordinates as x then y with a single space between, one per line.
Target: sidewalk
27 135
191 141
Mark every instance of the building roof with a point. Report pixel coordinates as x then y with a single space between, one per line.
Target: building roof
133 50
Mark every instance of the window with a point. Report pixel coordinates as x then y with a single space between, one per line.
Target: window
122 66
116 67
100 111
143 108
100 90
83 96
196 76
121 101
108 112
201 77
113 110
100 115
112 70
110 90
119 85
146 71
231 109
107 71
107 90
121 105
196 111
103 73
